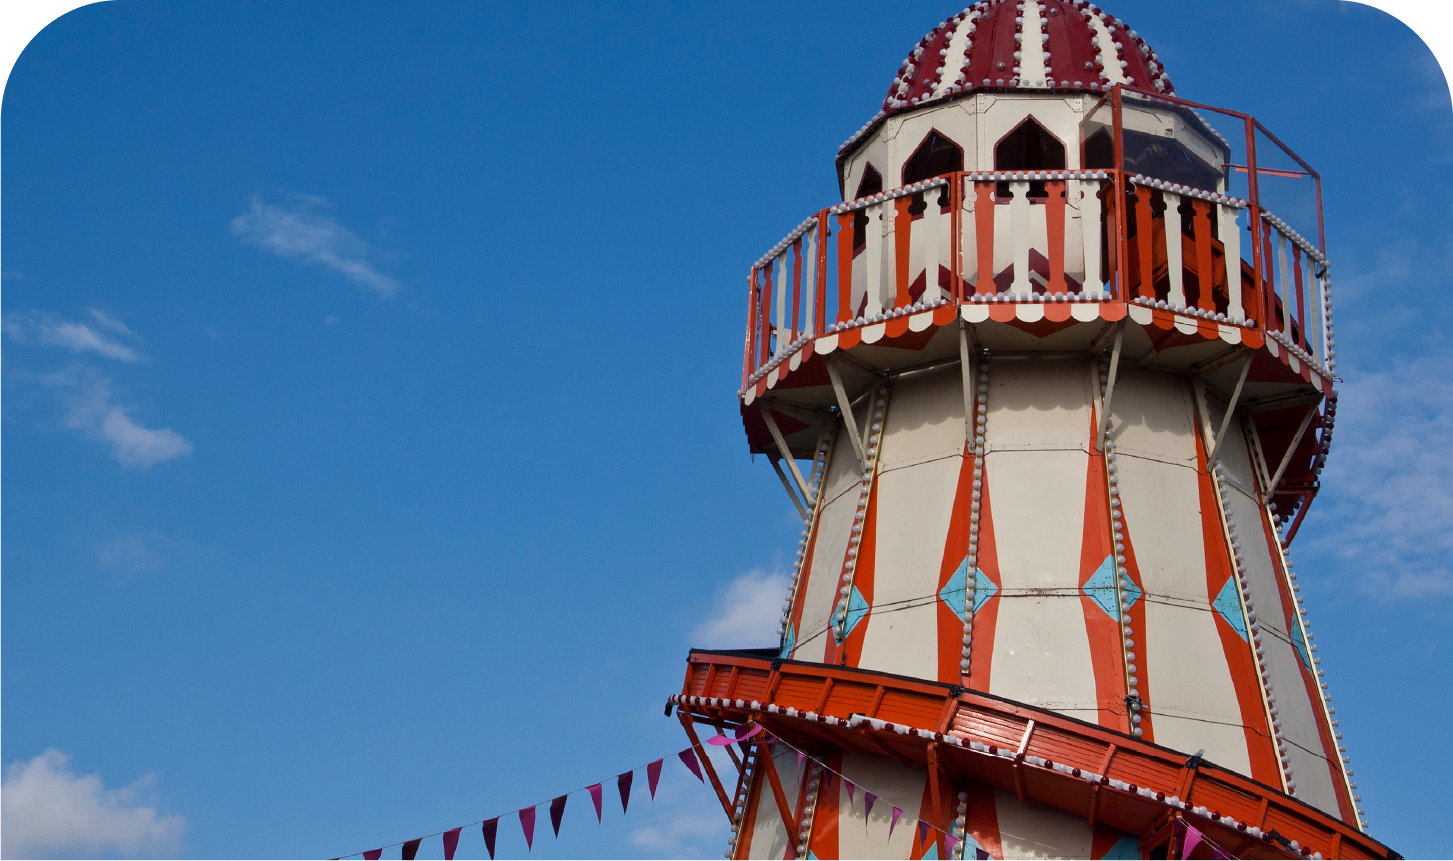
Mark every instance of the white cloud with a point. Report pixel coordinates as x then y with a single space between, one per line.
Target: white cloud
685 819
130 554
76 337
747 613
49 811
1389 482
90 410
305 233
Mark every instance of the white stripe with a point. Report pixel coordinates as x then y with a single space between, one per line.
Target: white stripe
1031 66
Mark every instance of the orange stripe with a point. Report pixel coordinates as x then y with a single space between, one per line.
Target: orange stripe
982 820
845 267
984 235
982 654
824 840
902 236
1054 213
1103 631
955 550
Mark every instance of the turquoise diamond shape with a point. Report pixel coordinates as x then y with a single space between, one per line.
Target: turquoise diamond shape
857 609
955 595
1299 640
789 642
1228 604
1100 588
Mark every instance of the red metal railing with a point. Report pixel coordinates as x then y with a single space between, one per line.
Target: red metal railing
1086 236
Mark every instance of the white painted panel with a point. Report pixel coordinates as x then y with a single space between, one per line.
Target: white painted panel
1284 273
1173 247
1031 64
874 258
769 835
1038 425
830 543
969 236
1090 216
919 467
809 281
1192 696
1019 225
1298 712
1231 236
1038 831
867 837
929 228
784 287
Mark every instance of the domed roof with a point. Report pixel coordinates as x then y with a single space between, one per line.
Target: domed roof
1062 45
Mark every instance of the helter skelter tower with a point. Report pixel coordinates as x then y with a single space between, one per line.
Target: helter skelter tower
1052 390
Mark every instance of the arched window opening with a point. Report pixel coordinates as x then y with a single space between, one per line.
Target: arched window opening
1029 147
936 156
870 184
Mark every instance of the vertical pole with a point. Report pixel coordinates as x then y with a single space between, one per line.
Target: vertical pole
1259 284
1122 263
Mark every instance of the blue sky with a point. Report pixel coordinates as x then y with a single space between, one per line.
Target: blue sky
369 441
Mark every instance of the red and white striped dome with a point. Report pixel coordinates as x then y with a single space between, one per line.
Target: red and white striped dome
1063 45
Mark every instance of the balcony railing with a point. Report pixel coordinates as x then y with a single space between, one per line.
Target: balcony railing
1081 238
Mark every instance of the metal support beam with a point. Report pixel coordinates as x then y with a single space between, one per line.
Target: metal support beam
847 409
1110 385
787 484
726 803
785 452
1287 458
789 819
1230 411
935 791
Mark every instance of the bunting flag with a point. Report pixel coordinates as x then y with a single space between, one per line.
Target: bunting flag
894 824
411 849
557 811
653 776
491 828
741 735
868 799
373 855
527 822
451 842
595 792
800 757
852 788
922 832
1193 838
623 783
688 757
951 842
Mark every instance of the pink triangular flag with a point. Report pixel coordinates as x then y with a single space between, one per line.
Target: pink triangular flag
852 790
868 799
800 756
595 797
894 824
623 783
653 776
1192 839
951 842
688 758
451 843
527 822
490 830
557 812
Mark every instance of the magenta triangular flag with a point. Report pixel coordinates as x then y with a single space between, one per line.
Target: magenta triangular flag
557 812
373 855
688 757
595 792
527 822
951 842
852 791
894 824
411 849
800 756
623 783
491 828
1190 841
653 776
451 842
868 799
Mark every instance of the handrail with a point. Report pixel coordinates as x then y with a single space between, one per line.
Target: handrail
986 738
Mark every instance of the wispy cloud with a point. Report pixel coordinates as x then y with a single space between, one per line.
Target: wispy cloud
304 231
75 336
745 613
49 811
91 410
1389 481
679 824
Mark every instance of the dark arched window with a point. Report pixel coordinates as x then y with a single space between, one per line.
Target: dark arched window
936 156
1028 147
870 184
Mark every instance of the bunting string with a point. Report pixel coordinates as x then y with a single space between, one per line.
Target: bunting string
490 827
